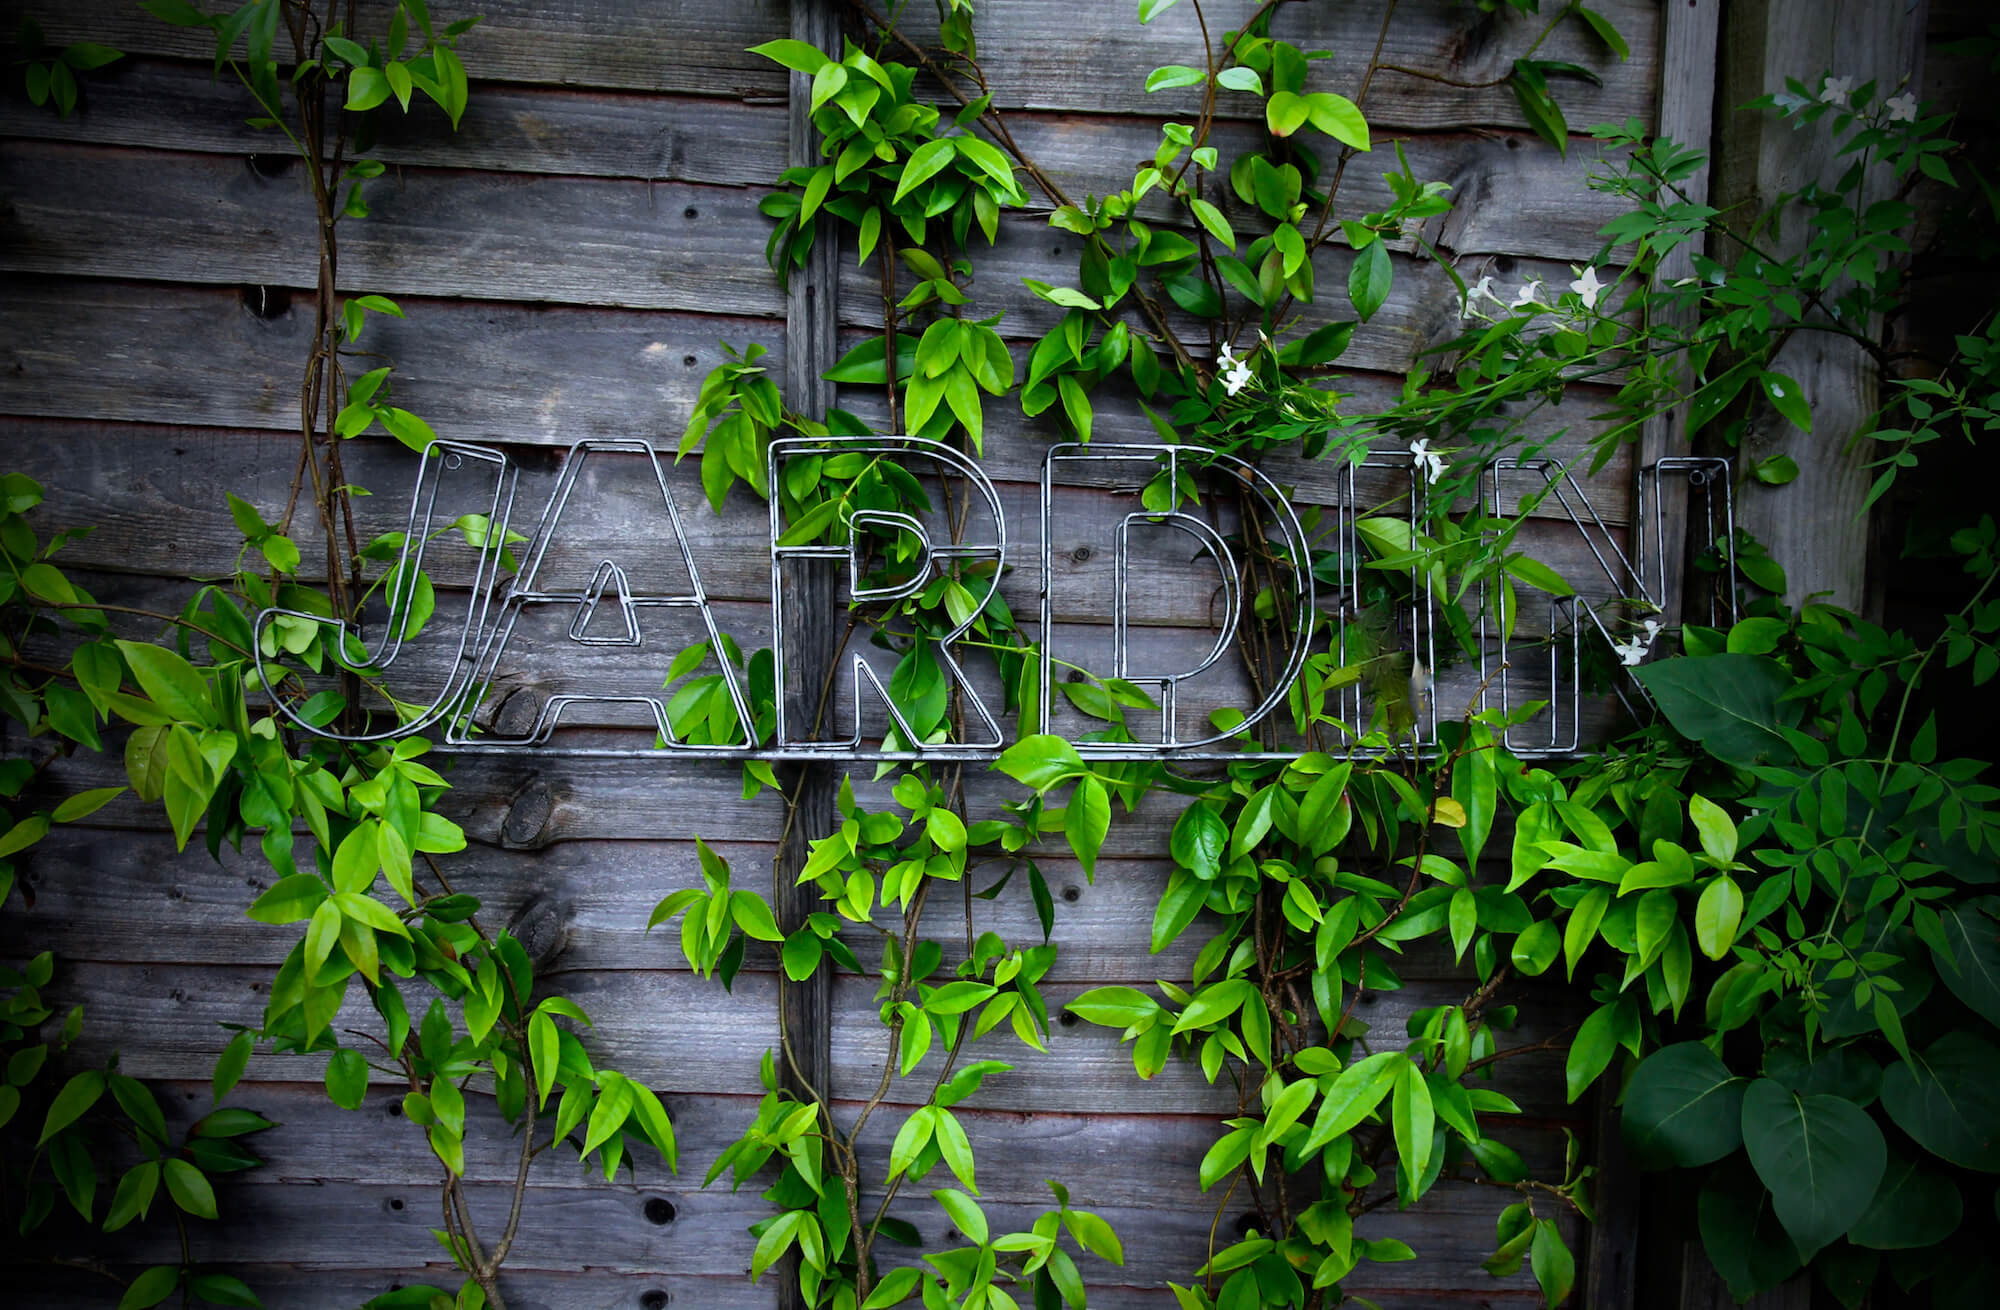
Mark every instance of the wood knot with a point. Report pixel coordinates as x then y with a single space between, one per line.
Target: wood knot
527 815
542 927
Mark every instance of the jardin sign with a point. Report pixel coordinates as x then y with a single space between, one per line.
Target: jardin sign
574 591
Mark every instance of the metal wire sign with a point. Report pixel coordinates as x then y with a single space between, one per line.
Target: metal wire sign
570 645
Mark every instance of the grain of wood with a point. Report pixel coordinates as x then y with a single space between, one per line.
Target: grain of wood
1814 526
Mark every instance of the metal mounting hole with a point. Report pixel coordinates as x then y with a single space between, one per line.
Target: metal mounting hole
1071 894
652 1299
659 1210
690 213
395 1203
1067 1019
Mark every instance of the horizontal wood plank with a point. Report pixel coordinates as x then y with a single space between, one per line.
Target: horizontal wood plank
1034 53
1513 194
116 212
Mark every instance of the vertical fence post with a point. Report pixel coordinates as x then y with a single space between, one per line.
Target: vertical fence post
811 346
1814 526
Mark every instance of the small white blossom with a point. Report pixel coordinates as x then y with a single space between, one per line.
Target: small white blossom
1902 108
1836 91
1236 371
1588 287
1527 295
1427 460
1635 650
1483 290
1687 281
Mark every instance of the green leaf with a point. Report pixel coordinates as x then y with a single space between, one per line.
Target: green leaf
1821 1156
1199 840
1368 279
925 162
229 1066
1728 703
1973 971
1240 78
1151 9
151 1287
407 428
170 681
1040 762
134 1196
1087 820
1414 1120
1114 1007
1683 1107
1590 1053
1286 112
77 1096
1355 1093
1741 1233
1947 1097
777 1239
895 1287
1171 76
965 1213
792 54
1605 32
1212 218
956 1149
1716 829
753 916
84 803
347 1079
1338 117
1716 917
190 1188
1788 398
1914 1207
1553 1265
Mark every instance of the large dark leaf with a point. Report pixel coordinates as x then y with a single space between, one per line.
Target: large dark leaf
1741 1233
1821 1156
1683 1107
1950 1100
1728 703
1913 1207
1973 972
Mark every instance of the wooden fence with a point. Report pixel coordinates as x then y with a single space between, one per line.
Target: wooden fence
569 262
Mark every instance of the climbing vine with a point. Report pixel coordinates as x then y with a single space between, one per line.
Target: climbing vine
1771 890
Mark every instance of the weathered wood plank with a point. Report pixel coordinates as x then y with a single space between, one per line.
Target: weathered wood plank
139 496
207 357
103 894
529 802
169 105
296 1288
114 212
687 46
549 377
1513 193
1034 54
690 1038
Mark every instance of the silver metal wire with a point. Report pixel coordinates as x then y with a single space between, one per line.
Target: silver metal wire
496 604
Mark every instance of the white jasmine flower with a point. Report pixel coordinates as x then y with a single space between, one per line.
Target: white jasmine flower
1527 295
1482 290
1588 287
1652 630
1427 460
1630 652
1687 281
1902 108
1836 91
1236 371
